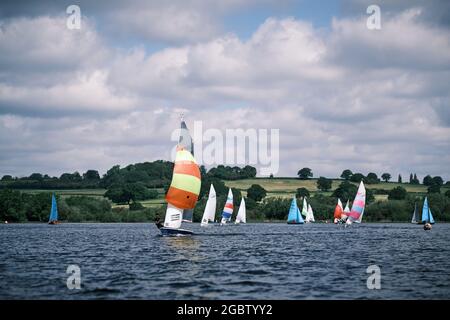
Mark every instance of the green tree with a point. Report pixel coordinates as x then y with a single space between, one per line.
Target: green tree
438 180
324 184
428 181
256 192
305 173
372 178
346 174
411 178
386 177
301 193
399 178
345 191
447 193
357 177
415 179
435 188
36 176
397 193
7 177
92 175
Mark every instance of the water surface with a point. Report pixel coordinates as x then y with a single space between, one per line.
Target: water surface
253 261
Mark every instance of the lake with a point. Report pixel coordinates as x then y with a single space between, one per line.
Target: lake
252 261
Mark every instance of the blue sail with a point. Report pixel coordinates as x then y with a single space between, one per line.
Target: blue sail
294 213
425 211
299 216
431 216
54 210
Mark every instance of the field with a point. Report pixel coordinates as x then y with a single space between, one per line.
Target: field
276 187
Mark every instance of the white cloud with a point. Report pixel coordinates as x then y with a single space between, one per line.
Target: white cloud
349 98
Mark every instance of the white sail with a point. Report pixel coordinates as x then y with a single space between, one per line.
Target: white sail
173 218
305 208
340 204
228 209
310 215
346 210
210 208
241 215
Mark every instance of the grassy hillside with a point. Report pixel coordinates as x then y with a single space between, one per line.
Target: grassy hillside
277 187
289 185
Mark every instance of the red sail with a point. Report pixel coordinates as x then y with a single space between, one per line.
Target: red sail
337 212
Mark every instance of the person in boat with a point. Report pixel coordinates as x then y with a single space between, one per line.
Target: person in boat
158 222
427 226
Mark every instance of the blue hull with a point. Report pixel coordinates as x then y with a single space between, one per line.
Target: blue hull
170 232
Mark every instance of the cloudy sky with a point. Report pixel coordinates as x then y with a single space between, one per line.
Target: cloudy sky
343 96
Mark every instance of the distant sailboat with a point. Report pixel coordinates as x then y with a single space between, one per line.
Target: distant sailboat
53 219
414 217
305 207
210 208
241 215
344 215
338 211
310 214
228 209
427 217
356 214
184 188
294 216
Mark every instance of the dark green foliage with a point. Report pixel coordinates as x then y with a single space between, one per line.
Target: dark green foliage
124 193
386 177
399 180
397 193
302 192
435 188
275 208
438 181
357 177
219 186
393 210
447 193
136 206
232 173
305 173
256 192
428 180
324 184
345 191
91 175
415 179
346 174
372 178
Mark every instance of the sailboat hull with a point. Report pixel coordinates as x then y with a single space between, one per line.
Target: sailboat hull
171 232
294 222
53 222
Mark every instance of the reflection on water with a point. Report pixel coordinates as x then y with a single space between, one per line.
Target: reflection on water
252 261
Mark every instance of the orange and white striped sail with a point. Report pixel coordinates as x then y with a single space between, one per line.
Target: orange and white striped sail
186 181
338 211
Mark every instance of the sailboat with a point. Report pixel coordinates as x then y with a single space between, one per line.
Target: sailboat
228 209
53 219
344 215
294 216
338 211
310 214
241 215
305 208
427 217
210 208
414 217
356 214
184 188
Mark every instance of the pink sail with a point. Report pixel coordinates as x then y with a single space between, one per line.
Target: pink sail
358 205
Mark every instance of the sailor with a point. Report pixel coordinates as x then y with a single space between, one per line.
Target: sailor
158 222
427 226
